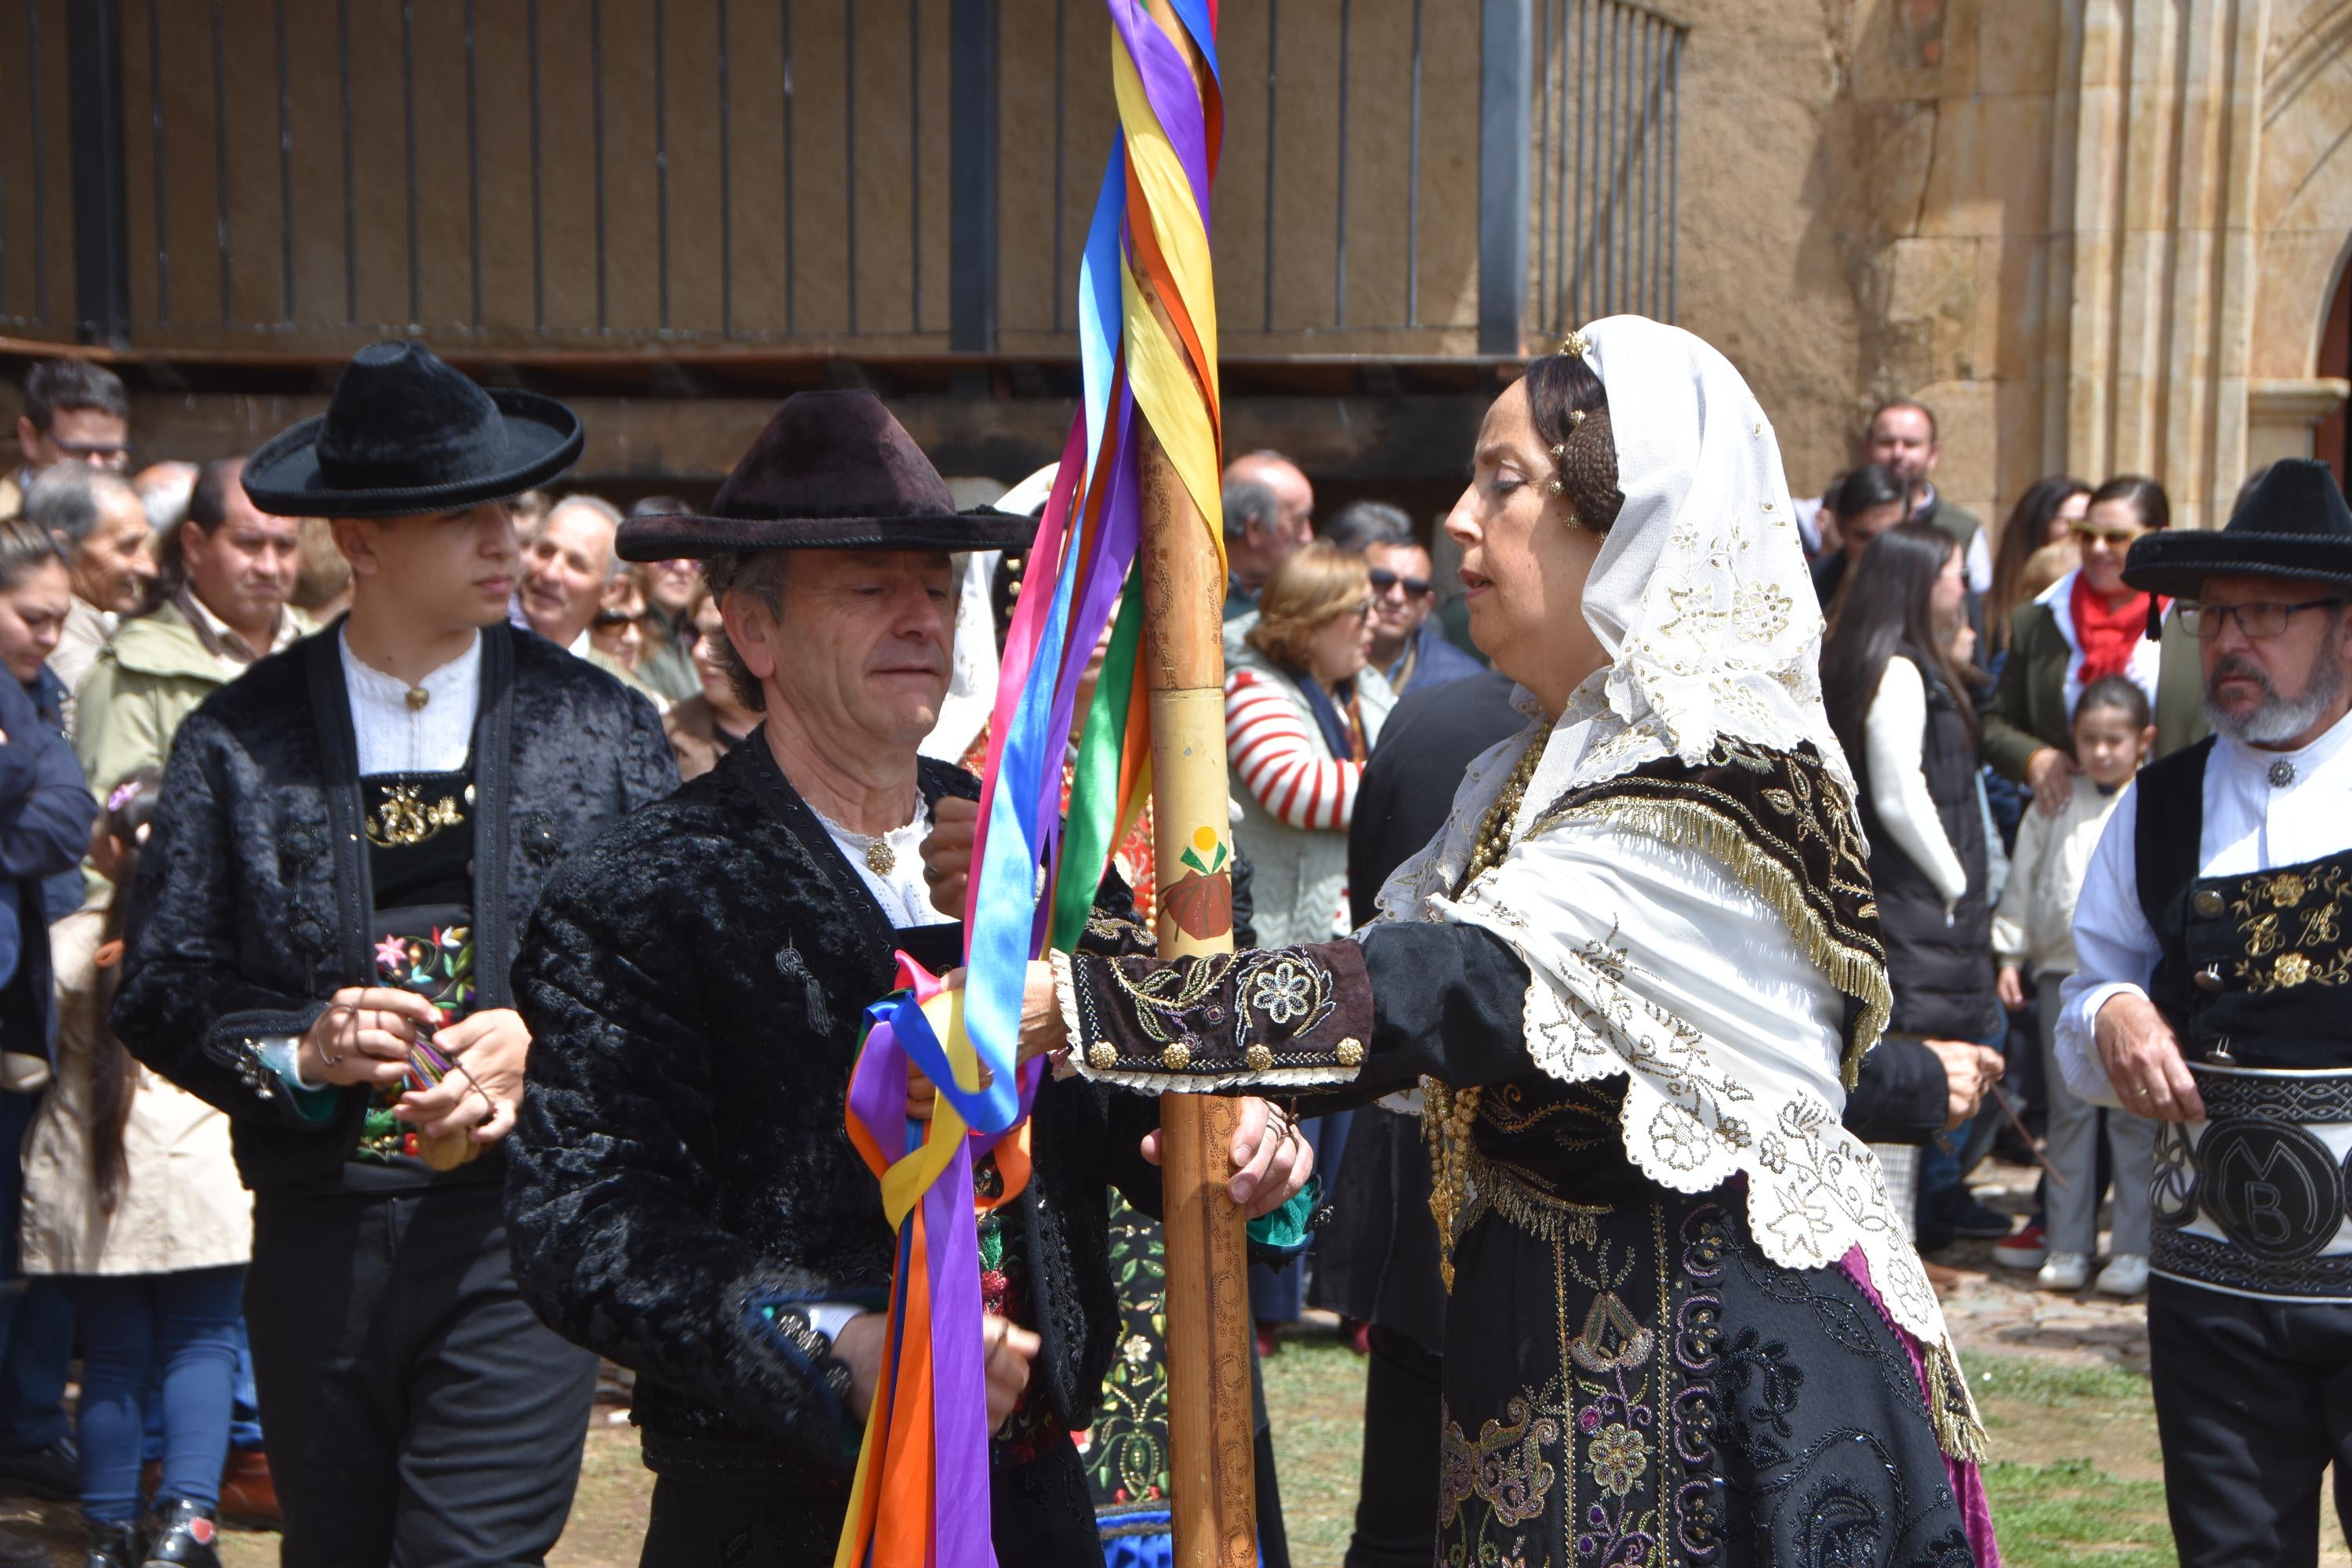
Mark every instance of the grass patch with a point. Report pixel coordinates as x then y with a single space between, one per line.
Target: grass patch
2072 1511
1315 1394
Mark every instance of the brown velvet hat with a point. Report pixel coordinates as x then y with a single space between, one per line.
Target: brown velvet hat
833 470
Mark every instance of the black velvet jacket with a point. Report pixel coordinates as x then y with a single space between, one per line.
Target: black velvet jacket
681 1179
252 903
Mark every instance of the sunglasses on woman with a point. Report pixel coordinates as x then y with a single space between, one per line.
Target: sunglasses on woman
1383 580
2085 533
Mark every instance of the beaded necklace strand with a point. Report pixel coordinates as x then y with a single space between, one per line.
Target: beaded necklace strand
1447 1114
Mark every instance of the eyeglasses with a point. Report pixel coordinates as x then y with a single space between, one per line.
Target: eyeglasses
2085 533
1383 580
2265 619
608 619
1362 612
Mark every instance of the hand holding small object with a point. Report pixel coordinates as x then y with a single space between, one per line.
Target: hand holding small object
486 1052
364 1037
947 852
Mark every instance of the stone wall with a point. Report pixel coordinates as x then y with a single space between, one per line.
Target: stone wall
2096 236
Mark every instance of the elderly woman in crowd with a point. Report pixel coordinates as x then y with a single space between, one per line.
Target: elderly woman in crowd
1631 978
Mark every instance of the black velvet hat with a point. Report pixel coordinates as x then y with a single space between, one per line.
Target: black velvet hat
2294 524
406 432
833 470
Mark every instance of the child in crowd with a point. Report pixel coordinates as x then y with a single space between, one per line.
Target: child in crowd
133 1199
2034 928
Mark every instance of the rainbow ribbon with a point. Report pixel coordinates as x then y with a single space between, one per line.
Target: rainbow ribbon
920 1496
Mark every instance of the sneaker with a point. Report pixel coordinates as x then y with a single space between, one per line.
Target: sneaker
1973 1220
2064 1271
2124 1275
2026 1249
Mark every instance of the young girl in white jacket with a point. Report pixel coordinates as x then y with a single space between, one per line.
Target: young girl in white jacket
2033 930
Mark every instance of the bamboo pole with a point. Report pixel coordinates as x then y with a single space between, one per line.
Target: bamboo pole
1212 1477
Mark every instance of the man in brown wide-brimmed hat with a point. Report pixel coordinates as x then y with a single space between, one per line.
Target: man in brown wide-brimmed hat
686 1198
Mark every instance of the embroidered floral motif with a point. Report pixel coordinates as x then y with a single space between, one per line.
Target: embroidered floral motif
1617 1456
1505 1468
1285 992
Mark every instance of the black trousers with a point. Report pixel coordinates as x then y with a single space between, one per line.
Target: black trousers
417 1415
2253 1400
1040 1514
1404 1408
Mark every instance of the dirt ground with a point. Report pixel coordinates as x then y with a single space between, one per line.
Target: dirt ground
2076 1475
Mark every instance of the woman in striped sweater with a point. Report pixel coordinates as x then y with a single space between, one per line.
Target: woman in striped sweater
1296 736
1296 739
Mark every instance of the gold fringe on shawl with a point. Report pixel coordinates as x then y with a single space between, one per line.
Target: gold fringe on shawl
1690 826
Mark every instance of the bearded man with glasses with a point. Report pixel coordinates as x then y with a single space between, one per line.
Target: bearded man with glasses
2215 938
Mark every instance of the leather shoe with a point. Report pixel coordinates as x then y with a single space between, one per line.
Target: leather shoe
52 1471
185 1535
111 1546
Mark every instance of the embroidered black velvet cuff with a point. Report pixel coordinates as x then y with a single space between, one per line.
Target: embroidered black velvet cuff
1284 1017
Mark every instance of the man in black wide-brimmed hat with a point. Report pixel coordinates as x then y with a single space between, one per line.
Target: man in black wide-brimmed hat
348 841
686 1198
2215 938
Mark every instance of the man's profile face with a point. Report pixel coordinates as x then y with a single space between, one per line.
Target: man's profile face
1295 524
865 641
2268 690
565 571
76 436
1902 439
244 571
112 567
1399 607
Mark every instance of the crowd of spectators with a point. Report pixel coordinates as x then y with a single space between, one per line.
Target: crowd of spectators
1993 690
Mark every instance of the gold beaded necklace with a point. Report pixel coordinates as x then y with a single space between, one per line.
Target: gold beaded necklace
1448 1114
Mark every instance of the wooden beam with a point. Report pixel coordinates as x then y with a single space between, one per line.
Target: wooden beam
1408 438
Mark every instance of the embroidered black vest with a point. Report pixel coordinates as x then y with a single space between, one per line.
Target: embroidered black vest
2252 978
2257 969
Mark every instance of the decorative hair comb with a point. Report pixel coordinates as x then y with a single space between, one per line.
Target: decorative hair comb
1574 345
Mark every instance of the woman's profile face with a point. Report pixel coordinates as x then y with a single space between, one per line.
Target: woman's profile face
1524 561
1340 646
1949 596
2071 510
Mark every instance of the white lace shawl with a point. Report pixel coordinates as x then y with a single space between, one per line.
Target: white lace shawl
1649 959
1653 961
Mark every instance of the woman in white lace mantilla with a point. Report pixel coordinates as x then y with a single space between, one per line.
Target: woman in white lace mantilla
1632 976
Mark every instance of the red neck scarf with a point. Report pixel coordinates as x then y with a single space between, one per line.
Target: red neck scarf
2106 636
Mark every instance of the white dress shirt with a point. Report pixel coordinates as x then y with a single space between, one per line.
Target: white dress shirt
395 738
2251 824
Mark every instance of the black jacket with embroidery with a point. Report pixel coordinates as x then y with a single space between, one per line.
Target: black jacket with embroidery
681 1179
252 903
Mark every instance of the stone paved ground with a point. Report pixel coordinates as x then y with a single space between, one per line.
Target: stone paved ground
1998 1309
